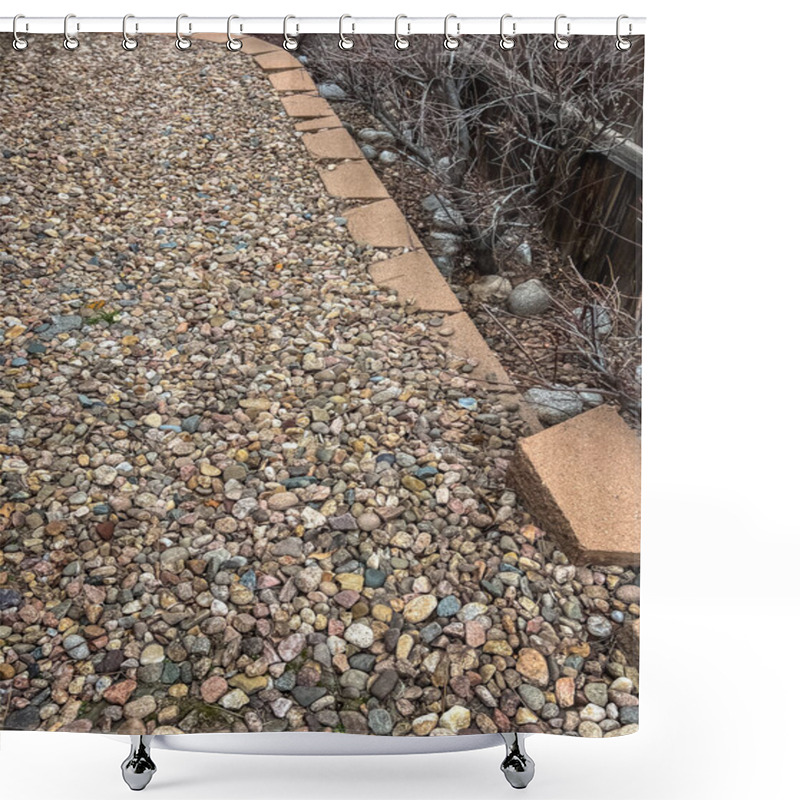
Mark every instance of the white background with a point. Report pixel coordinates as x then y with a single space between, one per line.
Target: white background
719 686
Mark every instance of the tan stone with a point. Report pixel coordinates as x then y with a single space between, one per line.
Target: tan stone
423 725
306 106
531 664
420 608
277 61
415 278
581 482
404 645
249 685
565 692
353 180
456 719
319 123
381 224
350 580
332 143
292 80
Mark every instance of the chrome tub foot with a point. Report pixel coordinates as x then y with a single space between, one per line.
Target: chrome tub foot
138 768
517 766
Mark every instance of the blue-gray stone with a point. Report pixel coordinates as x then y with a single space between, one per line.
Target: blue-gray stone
62 323
629 715
380 721
618 616
533 698
35 348
76 646
300 483
363 661
448 606
88 402
426 472
286 682
430 632
9 599
191 424
19 361
575 662
493 587
374 578
101 509
248 579
306 695
470 403
171 673
25 719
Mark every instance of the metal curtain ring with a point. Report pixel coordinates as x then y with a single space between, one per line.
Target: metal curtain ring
289 42
181 41
344 42
401 42
70 42
507 40
19 42
451 42
233 44
623 44
561 42
128 42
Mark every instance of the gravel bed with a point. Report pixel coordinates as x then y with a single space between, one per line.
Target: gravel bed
241 488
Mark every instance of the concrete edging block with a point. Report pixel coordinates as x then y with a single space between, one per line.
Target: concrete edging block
335 143
306 106
381 224
318 124
355 180
581 482
415 278
291 80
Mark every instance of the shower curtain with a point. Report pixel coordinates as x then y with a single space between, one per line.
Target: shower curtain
321 379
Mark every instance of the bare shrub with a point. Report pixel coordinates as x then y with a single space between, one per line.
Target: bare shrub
501 132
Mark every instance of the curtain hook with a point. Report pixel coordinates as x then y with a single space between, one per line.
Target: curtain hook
344 42
451 42
19 42
233 44
561 42
71 42
128 42
506 39
182 42
401 42
290 42
623 44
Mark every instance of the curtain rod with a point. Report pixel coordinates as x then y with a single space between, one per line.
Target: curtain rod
408 25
